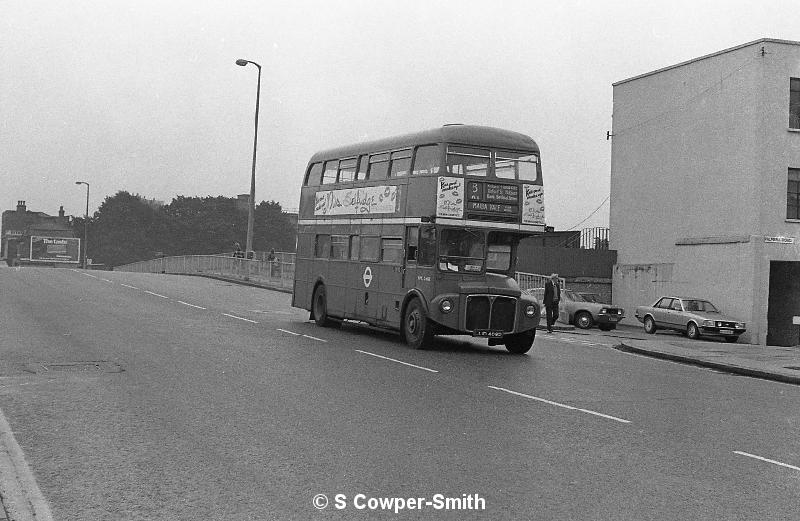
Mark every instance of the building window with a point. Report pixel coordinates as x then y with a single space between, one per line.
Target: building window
793 194
794 103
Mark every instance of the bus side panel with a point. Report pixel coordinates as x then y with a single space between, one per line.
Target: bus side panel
303 283
336 286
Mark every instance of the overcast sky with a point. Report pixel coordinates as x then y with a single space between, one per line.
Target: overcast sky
145 96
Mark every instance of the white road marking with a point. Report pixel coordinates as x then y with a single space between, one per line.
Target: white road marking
106 280
128 286
191 305
398 361
156 294
287 331
740 453
88 275
240 318
22 497
314 338
570 407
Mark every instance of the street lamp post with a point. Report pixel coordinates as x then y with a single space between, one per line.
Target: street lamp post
252 206
85 223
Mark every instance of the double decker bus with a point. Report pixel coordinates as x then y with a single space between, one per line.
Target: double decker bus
419 233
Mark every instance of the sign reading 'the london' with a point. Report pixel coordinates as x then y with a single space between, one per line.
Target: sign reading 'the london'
361 201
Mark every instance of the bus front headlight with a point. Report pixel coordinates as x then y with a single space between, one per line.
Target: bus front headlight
446 306
530 310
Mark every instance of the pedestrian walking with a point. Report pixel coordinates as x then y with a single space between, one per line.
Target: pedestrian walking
552 295
272 260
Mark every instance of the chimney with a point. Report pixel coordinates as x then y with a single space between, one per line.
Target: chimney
61 211
21 206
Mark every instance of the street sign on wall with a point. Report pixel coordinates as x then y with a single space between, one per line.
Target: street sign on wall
55 249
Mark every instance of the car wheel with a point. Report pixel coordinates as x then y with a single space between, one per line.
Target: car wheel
584 320
692 331
731 339
521 342
417 329
649 325
320 308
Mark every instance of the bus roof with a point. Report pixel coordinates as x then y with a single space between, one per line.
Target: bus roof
454 133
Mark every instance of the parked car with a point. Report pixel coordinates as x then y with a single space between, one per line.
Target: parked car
694 316
585 310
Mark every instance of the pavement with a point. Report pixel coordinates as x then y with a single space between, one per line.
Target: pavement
780 364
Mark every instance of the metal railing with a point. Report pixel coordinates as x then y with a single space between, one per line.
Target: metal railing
279 272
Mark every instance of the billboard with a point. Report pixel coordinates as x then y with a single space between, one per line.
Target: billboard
55 249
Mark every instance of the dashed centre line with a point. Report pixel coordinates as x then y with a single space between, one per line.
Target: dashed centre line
774 462
190 305
128 286
287 331
156 294
240 318
397 361
564 406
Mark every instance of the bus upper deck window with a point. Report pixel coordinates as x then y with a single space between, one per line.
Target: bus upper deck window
331 168
363 166
401 163
516 165
427 160
347 170
467 161
314 175
378 166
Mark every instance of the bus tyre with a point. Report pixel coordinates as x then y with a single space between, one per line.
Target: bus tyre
417 330
319 305
520 343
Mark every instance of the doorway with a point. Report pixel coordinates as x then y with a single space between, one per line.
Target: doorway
783 303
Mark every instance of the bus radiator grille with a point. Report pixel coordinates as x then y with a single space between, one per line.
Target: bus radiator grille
496 313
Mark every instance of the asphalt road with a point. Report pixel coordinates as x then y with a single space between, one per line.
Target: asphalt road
139 396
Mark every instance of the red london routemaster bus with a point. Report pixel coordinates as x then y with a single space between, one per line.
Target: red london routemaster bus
419 233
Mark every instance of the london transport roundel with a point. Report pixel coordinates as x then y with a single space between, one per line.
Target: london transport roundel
367 276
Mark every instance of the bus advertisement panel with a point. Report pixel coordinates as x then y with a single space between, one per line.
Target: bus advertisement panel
419 233
55 249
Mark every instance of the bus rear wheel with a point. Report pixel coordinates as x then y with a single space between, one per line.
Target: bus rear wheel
417 330
319 305
520 343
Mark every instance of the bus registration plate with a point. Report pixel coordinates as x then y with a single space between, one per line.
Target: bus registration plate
490 333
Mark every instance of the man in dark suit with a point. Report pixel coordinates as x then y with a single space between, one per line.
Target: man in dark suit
552 294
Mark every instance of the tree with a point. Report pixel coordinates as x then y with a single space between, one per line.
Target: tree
124 229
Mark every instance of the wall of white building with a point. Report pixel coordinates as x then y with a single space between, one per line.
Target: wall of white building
699 167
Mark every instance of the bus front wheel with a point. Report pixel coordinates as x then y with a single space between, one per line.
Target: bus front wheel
520 343
417 330
320 308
